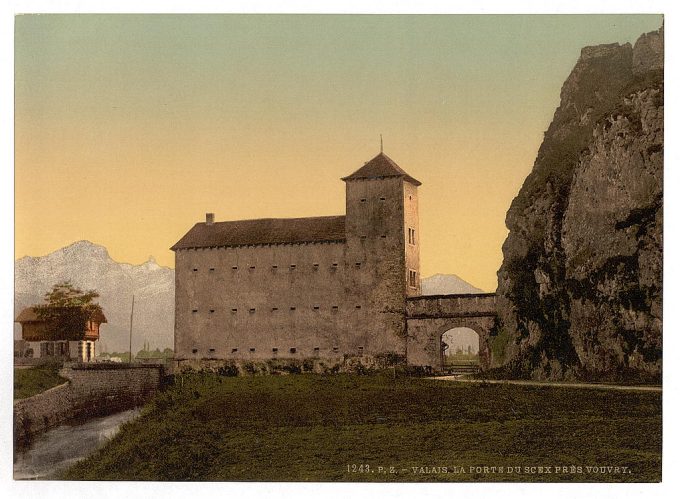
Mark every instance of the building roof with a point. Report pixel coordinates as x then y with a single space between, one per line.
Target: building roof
29 315
380 167
264 231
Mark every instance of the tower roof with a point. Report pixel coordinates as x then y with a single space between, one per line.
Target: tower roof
380 167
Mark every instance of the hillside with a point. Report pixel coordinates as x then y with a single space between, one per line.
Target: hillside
581 280
89 266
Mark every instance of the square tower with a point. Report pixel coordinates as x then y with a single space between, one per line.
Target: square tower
382 235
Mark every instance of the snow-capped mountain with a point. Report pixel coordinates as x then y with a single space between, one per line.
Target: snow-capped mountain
89 266
447 284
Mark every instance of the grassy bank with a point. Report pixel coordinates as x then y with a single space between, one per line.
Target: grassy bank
33 380
324 428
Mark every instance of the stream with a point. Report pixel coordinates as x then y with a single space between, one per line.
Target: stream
60 447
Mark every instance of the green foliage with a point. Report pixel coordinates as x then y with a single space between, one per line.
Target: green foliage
309 428
34 380
67 310
228 369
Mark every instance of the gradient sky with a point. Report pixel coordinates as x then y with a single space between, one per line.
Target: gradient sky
130 127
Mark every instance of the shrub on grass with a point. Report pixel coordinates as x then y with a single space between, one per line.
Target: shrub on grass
229 368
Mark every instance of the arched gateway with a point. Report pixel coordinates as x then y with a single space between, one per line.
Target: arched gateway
429 317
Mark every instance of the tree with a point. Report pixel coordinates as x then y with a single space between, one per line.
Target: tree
67 311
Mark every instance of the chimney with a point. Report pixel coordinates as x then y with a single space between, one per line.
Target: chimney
209 218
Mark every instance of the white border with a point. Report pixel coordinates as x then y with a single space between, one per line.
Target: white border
671 463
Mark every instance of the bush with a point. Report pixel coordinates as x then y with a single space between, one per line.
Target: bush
228 369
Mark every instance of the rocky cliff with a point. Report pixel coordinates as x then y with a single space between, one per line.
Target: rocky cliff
580 286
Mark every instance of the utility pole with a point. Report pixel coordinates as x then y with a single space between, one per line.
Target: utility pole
132 312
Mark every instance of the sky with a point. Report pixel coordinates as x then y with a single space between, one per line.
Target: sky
129 128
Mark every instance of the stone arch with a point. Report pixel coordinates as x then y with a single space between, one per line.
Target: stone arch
424 339
429 317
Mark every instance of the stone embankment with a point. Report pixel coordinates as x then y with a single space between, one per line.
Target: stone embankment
91 390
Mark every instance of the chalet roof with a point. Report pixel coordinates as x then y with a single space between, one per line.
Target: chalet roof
264 231
28 315
380 167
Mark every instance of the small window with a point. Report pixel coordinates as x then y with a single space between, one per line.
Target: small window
252 267
334 307
212 310
293 350
234 350
413 278
292 308
194 350
234 267
292 266
274 267
382 198
358 307
335 349
275 349
411 236
211 269
383 236
234 310
362 237
316 307
274 309
363 200
316 349
316 266
252 310
252 350
212 350
409 198
358 265
334 267
195 270
194 311
361 350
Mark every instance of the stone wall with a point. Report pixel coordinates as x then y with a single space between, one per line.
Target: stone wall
425 336
429 317
451 305
92 390
304 300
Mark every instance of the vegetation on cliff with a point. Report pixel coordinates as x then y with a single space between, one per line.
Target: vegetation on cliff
580 285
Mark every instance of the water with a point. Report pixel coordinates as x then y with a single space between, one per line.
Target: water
58 448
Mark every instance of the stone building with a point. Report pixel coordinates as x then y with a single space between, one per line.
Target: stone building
319 287
37 343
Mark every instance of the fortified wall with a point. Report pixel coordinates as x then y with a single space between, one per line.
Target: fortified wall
92 390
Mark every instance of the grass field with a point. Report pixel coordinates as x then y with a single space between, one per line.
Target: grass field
461 358
33 380
354 428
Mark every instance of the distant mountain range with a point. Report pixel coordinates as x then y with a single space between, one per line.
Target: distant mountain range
447 284
89 266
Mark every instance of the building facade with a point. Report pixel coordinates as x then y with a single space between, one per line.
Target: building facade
320 287
37 343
